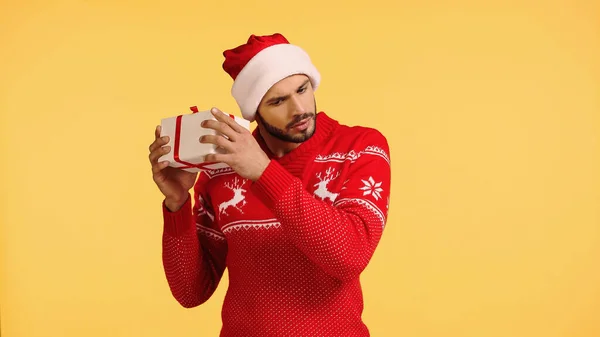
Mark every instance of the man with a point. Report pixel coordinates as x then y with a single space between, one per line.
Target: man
296 216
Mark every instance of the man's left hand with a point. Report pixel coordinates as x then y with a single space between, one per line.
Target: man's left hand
243 154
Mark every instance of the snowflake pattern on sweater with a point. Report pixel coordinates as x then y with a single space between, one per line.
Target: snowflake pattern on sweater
294 242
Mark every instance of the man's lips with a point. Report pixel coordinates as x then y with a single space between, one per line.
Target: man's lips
302 122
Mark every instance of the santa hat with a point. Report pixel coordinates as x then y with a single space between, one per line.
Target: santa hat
259 64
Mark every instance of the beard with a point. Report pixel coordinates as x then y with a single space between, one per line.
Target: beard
284 135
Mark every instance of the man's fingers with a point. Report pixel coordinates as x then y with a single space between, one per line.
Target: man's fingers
152 146
158 143
218 141
221 116
218 158
157 132
159 166
221 128
154 155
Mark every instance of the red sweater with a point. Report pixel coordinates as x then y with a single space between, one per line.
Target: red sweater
294 242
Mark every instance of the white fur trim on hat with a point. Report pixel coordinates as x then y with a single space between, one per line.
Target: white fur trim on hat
265 69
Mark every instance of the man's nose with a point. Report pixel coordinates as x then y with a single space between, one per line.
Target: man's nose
296 106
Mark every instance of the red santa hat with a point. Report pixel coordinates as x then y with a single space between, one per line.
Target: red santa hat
259 64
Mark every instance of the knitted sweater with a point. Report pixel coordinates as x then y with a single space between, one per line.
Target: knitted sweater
294 242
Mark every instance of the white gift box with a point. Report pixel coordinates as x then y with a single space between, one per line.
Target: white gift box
184 131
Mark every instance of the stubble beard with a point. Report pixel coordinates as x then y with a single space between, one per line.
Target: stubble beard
285 136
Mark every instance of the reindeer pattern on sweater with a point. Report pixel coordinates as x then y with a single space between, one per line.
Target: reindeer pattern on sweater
330 178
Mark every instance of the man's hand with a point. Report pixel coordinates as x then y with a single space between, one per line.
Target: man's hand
173 183
243 154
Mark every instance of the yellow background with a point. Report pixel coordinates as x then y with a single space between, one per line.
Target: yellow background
492 112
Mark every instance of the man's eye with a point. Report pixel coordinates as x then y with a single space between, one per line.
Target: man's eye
277 102
302 90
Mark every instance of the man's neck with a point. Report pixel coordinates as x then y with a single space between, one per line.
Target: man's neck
278 147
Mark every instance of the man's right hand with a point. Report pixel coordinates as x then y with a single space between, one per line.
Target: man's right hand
174 183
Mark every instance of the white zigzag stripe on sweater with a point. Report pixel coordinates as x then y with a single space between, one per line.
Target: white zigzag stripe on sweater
251 224
368 205
219 172
211 233
352 156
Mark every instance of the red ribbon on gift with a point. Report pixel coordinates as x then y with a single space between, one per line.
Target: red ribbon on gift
177 140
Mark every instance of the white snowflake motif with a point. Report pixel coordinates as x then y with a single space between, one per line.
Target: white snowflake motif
372 188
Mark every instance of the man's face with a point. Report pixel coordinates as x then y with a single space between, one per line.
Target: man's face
288 110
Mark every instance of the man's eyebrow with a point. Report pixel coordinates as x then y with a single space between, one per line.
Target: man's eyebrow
303 84
276 98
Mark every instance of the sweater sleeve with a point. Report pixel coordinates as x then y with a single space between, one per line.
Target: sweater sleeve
340 237
194 252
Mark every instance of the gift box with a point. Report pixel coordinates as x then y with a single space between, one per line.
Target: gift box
184 131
